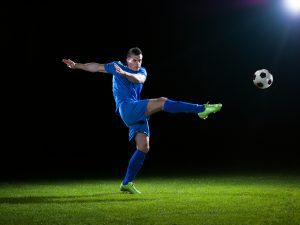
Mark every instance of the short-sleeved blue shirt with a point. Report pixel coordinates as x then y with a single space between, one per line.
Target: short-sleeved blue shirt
123 89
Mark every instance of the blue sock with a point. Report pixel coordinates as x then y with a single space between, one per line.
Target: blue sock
182 107
134 166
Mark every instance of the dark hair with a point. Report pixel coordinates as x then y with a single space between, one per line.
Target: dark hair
134 51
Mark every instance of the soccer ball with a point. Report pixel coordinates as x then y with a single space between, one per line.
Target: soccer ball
262 79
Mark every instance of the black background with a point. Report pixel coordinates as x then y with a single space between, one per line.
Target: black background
61 121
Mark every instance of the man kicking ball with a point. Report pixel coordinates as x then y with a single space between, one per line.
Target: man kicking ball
128 79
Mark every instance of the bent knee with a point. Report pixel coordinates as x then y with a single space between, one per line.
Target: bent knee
144 148
162 99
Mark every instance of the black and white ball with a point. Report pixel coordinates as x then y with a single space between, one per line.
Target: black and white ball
262 79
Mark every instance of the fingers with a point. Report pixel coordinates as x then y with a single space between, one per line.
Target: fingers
66 61
118 69
69 63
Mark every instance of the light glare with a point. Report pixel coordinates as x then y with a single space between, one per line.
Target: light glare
293 6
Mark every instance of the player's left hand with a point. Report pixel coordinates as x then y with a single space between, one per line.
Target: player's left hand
119 70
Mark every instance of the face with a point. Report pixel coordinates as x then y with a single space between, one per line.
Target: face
134 62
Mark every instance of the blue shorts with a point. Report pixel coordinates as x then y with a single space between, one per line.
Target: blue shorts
133 115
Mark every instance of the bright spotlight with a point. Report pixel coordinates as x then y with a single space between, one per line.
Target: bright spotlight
293 6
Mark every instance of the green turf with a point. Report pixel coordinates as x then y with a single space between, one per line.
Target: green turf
211 200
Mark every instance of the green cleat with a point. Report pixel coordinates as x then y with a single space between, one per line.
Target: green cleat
129 188
209 108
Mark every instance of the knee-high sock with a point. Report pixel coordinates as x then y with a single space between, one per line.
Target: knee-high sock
182 107
134 166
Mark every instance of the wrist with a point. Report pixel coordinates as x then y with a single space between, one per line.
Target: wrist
127 74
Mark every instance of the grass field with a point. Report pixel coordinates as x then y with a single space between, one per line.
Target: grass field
212 200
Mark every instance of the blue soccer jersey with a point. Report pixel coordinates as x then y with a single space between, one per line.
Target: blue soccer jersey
123 89
127 97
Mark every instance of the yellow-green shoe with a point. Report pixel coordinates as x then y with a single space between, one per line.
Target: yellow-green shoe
209 108
129 188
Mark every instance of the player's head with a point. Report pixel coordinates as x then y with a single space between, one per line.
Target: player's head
134 58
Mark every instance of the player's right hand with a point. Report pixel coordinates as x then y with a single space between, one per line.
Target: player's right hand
69 63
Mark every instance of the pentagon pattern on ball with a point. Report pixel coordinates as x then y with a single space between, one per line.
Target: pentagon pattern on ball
262 79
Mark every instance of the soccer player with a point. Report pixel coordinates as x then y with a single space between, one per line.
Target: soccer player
128 79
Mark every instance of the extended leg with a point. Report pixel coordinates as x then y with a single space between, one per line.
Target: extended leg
167 105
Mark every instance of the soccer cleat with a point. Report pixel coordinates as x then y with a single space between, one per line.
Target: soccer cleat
209 108
129 188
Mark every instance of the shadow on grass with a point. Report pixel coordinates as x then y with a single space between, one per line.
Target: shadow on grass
97 198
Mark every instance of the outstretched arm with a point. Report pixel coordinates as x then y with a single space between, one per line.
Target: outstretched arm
90 67
134 78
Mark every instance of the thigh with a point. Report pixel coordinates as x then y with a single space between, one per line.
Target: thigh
141 126
133 112
142 142
155 105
